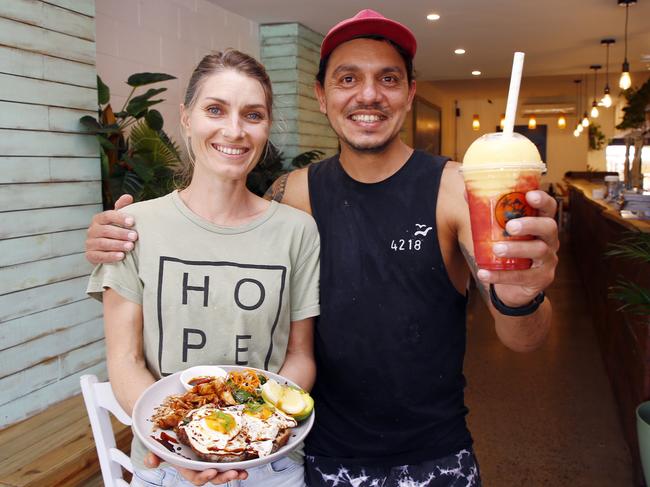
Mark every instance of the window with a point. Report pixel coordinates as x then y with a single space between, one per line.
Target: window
615 156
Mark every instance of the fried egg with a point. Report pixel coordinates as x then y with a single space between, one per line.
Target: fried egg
264 422
214 430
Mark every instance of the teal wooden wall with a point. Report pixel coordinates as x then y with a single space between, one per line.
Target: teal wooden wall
291 53
50 332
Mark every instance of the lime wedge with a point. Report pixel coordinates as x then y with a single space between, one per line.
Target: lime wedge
309 407
291 401
272 391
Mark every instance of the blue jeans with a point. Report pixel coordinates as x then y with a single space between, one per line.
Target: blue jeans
281 473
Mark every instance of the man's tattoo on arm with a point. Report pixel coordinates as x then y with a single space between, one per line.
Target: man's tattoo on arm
474 268
276 190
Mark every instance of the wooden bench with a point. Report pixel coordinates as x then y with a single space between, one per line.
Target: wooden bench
55 447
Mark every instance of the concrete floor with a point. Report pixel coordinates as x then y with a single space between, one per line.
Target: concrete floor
547 418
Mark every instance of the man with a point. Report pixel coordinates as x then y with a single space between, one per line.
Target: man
396 255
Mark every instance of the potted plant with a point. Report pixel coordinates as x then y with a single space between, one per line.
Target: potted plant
636 120
137 156
635 299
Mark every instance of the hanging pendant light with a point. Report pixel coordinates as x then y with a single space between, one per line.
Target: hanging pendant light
606 101
585 119
532 122
594 105
578 84
476 124
625 81
561 122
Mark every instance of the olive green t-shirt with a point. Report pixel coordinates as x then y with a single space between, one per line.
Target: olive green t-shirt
212 294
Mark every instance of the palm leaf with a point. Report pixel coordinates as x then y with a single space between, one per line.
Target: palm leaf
635 247
306 158
635 298
148 144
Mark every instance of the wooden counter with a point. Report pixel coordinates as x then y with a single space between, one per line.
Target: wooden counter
623 338
608 210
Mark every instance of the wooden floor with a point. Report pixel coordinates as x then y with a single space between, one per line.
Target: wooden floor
55 447
547 418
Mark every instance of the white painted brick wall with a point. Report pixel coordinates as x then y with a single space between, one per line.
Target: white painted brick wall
168 36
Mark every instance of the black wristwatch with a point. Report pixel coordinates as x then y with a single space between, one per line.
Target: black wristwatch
504 309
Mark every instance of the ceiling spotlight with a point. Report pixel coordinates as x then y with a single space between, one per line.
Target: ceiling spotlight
476 73
433 17
459 51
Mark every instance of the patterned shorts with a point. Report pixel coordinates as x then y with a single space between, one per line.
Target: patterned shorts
456 470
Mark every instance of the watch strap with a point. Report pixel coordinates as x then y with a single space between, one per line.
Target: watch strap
525 310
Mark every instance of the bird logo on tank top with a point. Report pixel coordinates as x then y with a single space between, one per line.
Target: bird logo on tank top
414 242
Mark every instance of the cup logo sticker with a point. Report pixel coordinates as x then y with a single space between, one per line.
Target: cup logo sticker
510 206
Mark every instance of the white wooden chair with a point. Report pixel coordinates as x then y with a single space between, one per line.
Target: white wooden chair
100 400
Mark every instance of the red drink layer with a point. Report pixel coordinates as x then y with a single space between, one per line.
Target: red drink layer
489 214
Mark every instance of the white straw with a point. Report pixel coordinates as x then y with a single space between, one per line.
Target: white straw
513 93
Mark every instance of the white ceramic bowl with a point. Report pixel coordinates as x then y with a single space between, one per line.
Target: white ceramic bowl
200 371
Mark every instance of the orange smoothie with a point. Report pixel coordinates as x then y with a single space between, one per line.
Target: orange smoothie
499 170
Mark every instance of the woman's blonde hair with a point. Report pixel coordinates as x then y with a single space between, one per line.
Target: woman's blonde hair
217 62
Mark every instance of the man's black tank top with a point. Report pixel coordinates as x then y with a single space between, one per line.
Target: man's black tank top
390 339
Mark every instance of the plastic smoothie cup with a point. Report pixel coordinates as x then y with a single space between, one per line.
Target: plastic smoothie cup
499 169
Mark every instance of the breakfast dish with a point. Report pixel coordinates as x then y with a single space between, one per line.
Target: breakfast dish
244 419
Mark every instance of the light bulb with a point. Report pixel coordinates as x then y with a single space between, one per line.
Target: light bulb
625 82
476 125
606 101
580 129
585 121
576 133
561 122
594 110
532 122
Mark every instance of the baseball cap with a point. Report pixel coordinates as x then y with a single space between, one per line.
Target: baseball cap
366 23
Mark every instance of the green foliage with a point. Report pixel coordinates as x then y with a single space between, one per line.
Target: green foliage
141 161
153 159
143 79
636 246
272 167
634 112
596 137
635 298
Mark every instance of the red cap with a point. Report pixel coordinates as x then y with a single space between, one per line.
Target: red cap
367 23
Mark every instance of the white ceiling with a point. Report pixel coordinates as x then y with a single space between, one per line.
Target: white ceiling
558 36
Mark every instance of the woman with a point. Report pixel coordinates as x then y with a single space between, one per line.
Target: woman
218 275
